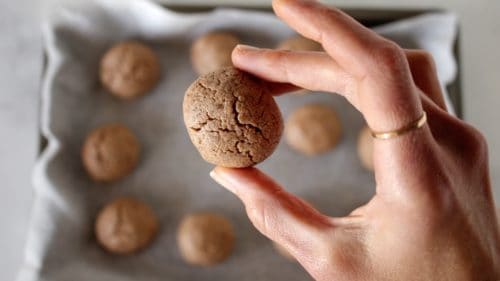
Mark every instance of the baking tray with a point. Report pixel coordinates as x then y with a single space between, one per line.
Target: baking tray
369 18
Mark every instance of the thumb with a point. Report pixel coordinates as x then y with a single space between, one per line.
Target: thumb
277 214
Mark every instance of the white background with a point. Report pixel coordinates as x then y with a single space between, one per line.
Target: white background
20 72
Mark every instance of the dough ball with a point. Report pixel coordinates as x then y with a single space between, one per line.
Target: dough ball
129 69
205 238
212 51
313 129
299 43
232 118
110 153
365 148
126 225
283 252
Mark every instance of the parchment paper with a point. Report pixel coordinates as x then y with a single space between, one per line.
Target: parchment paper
171 176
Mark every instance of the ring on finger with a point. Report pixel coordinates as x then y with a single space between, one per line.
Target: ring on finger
417 124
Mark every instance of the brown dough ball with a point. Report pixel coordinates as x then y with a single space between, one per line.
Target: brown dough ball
205 238
212 51
365 148
232 118
125 226
110 153
299 43
313 129
129 69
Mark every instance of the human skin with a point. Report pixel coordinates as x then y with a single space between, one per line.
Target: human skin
432 217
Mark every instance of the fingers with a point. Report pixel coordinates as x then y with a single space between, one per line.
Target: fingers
345 39
277 214
311 70
425 76
386 94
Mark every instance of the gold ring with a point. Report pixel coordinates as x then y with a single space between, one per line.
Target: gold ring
419 123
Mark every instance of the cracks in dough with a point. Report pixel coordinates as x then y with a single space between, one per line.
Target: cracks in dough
232 123
247 125
247 152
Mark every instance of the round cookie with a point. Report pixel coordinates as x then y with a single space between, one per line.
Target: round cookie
300 43
313 129
205 238
126 225
365 148
110 153
129 69
212 51
232 118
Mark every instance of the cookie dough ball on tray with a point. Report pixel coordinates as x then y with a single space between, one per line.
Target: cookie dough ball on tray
212 51
365 148
126 225
232 118
205 238
110 153
313 129
299 43
129 69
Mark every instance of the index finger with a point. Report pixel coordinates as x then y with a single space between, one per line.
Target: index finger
386 94
345 39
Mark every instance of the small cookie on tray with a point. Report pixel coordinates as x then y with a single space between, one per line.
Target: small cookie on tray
129 69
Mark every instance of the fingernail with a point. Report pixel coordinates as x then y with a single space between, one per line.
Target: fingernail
220 179
246 48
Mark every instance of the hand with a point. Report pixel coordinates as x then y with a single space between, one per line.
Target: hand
432 217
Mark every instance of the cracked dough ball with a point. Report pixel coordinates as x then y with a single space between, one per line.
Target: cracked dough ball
365 148
313 129
299 43
232 118
129 69
205 238
110 153
212 51
126 225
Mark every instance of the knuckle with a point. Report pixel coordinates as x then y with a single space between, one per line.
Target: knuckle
279 59
422 62
474 144
479 142
329 17
328 14
276 56
426 59
389 56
